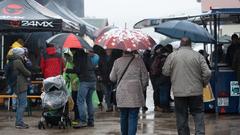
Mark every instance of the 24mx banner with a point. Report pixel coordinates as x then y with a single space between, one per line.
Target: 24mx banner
35 23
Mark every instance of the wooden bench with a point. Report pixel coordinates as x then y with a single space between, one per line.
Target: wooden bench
9 97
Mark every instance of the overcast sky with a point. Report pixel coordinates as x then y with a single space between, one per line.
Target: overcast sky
120 12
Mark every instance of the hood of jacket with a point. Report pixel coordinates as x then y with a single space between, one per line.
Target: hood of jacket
16 44
68 55
51 50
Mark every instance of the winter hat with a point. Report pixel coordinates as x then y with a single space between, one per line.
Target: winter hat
16 44
18 51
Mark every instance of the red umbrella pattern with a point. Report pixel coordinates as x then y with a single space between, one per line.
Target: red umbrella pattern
68 40
124 39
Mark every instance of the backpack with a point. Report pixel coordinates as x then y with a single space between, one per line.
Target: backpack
11 76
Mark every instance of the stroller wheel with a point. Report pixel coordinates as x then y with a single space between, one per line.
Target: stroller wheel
41 125
69 122
49 125
61 125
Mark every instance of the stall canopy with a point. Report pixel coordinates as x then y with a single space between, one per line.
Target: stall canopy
224 15
30 16
67 14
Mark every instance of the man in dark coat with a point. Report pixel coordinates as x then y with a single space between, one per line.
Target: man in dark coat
236 64
231 49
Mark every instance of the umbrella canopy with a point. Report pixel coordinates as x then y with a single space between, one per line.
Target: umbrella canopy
225 39
124 39
68 40
103 30
182 28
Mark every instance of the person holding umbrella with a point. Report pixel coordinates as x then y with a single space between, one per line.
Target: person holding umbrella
85 64
131 76
128 72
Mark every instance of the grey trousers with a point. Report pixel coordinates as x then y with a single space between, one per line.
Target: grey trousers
194 104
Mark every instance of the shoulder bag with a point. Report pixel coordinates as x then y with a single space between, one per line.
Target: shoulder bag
113 93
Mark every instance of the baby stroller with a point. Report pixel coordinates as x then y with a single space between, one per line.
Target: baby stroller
54 103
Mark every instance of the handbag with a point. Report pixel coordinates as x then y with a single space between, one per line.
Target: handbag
113 93
208 94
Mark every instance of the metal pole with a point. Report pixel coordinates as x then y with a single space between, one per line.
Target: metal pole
215 63
2 57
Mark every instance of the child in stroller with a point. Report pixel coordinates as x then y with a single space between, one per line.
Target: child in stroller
54 103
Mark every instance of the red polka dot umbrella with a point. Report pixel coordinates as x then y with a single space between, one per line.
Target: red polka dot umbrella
124 39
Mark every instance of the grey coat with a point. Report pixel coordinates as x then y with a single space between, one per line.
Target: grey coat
189 72
130 89
22 74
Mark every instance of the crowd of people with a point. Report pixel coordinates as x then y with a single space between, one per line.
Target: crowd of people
183 71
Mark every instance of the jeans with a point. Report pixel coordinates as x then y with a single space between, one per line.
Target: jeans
107 93
164 95
195 105
129 120
21 105
85 93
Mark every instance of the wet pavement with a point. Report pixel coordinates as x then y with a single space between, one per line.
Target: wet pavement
150 123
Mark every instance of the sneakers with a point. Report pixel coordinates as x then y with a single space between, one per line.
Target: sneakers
80 125
22 126
144 109
75 122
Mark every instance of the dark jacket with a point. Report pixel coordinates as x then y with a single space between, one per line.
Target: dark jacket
104 69
236 64
52 63
147 59
22 74
236 60
230 53
156 69
85 67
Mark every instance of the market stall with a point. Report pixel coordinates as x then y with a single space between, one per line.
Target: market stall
223 82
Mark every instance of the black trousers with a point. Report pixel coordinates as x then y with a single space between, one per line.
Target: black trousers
194 105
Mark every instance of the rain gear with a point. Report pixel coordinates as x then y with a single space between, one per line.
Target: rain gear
189 72
129 93
52 63
16 44
22 73
72 81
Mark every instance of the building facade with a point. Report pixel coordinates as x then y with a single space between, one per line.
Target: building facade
214 4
